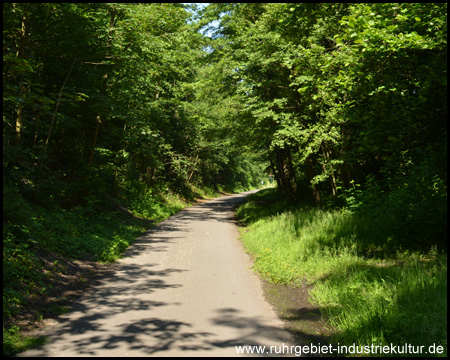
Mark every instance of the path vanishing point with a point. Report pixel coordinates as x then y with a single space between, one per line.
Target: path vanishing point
183 288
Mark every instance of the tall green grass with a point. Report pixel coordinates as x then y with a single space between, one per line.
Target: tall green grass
371 292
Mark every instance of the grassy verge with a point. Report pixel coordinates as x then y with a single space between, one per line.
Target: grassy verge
47 250
370 292
52 244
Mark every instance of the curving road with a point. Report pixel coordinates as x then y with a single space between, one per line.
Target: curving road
184 288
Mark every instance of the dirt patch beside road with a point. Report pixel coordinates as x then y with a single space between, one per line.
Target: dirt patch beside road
66 280
302 319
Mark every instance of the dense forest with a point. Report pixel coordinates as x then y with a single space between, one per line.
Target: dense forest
111 107
343 98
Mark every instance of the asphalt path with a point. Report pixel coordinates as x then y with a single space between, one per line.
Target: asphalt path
184 288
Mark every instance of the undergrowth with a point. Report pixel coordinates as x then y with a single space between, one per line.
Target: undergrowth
78 233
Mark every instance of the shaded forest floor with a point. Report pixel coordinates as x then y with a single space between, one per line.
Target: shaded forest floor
66 281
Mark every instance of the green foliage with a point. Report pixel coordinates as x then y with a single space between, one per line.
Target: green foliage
413 210
155 204
347 99
108 103
14 342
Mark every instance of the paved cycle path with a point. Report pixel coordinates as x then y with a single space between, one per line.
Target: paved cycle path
184 288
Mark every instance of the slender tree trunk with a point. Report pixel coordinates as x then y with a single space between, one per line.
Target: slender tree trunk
285 171
310 171
98 122
19 117
56 111
94 140
36 131
112 22
327 157
291 172
275 171
193 167
281 171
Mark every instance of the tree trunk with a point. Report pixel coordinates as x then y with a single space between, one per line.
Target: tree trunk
280 171
193 167
112 22
94 140
274 171
19 118
310 171
327 156
56 111
291 173
285 172
346 176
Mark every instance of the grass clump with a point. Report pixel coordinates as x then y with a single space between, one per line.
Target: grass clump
14 342
371 291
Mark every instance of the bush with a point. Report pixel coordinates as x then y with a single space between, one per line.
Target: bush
412 212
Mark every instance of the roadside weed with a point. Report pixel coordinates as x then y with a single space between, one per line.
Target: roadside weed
370 292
